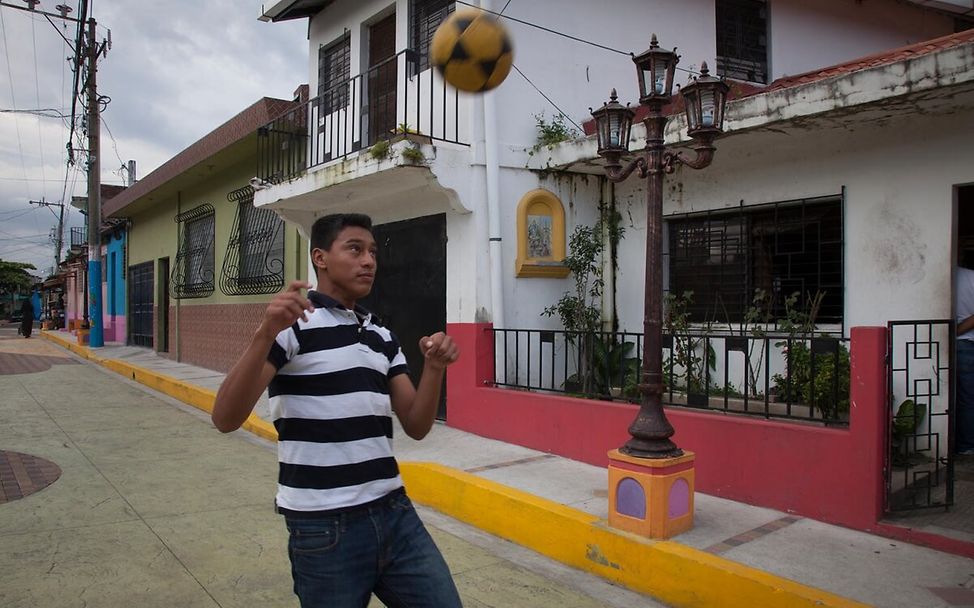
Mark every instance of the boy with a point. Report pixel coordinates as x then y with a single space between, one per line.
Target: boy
334 376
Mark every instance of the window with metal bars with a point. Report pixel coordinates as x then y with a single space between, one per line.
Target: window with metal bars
255 254
334 72
742 40
781 248
193 272
424 17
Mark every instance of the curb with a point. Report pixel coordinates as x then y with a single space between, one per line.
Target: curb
665 570
195 396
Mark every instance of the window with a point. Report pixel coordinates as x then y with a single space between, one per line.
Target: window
781 248
193 271
255 254
334 71
424 17
742 40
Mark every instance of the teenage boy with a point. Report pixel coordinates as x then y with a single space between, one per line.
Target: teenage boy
334 375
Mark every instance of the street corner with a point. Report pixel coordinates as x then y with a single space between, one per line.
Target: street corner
19 355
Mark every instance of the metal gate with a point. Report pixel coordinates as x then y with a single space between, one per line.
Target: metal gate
919 463
409 293
140 304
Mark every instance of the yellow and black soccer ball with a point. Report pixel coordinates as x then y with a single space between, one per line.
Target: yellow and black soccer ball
472 50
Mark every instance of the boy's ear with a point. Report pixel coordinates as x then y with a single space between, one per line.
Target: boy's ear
319 257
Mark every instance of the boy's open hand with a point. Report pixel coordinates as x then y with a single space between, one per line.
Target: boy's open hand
287 307
439 350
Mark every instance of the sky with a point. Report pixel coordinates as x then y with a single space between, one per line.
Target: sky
176 70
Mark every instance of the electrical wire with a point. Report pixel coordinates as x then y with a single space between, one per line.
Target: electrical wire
560 111
549 30
10 77
37 96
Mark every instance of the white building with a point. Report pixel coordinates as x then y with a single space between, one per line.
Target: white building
846 167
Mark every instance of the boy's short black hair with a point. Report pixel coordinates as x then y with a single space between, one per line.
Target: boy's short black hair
326 229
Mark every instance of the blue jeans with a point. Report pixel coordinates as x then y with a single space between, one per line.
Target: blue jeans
340 560
964 429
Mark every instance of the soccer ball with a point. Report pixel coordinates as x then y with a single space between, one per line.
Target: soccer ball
472 50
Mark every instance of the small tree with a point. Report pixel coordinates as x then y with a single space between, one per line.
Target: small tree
580 311
14 278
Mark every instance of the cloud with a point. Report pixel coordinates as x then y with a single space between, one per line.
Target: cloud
176 71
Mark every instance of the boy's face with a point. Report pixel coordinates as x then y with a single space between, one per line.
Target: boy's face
348 267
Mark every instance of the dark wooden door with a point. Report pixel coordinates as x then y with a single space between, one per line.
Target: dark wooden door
140 304
382 79
409 294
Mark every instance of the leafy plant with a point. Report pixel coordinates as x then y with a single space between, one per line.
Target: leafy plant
553 132
580 311
693 357
413 155
828 389
615 366
380 149
906 421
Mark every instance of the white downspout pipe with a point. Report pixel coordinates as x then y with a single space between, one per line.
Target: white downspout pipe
493 211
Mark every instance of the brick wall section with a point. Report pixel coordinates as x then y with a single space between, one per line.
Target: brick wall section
213 336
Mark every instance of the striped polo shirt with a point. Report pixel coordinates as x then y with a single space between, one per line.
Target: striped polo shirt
330 404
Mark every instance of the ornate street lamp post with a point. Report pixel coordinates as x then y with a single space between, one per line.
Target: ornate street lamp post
704 97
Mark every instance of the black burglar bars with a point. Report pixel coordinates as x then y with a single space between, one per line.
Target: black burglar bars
768 375
347 117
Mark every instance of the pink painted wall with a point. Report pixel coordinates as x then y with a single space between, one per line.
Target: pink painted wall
829 474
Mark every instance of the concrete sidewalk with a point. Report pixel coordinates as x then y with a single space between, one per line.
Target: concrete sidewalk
736 555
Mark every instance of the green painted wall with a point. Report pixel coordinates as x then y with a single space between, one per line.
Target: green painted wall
154 232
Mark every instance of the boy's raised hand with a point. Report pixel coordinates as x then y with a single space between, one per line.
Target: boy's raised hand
287 307
439 350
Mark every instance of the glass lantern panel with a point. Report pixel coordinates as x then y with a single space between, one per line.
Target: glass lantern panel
708 108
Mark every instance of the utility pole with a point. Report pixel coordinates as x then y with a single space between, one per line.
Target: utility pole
96 335
59 239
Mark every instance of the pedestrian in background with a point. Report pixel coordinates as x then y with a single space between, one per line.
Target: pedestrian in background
335 375
964 314
27 318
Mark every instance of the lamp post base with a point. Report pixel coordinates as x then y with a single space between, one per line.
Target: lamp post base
651 497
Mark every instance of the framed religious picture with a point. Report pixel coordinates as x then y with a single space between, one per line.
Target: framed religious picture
540 236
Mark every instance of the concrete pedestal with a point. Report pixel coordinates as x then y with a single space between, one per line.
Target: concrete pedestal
651 497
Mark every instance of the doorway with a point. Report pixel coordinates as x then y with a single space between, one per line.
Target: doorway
140 304
409 293
382 79
163 305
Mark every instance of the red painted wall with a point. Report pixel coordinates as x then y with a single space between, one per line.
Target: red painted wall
829 474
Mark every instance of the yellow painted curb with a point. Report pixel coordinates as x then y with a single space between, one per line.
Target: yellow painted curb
673 573
189 394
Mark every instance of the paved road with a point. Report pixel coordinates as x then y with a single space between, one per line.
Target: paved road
117 496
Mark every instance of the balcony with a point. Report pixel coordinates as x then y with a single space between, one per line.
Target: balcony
78 239
392 98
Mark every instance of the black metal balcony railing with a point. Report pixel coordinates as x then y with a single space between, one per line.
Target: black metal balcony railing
391 98
79 237
774 376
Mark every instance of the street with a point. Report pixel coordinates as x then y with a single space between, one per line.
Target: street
129 498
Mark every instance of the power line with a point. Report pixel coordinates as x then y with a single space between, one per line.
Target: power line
13 100
560 111
37 93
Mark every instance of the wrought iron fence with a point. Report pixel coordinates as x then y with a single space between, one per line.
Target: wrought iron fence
392 98
769 375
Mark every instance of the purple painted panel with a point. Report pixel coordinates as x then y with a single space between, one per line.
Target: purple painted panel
679 498
630 498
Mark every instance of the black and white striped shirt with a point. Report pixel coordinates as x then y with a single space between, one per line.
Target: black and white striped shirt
330 404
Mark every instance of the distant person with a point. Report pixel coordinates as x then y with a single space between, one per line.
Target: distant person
964 401
27 318
335 376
